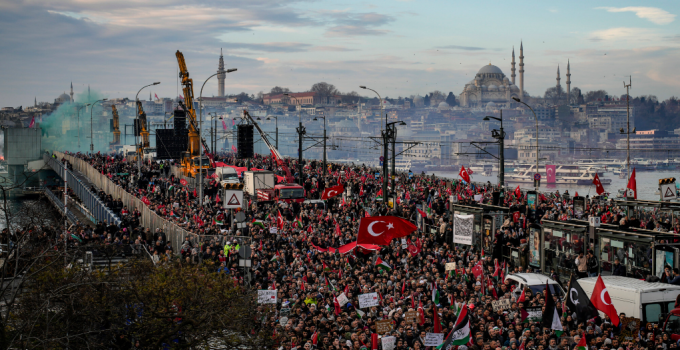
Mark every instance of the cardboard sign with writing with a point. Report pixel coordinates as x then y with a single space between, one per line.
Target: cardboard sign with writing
450 266
266 296
503 304
433 339
384 326
410 317
273 229
368 300
630 326
388 343
342 299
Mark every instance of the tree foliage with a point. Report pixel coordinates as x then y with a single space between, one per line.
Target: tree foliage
324 89
169 305
592 96
278 90
451 99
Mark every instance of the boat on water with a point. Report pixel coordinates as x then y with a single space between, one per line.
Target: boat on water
606 164
564 175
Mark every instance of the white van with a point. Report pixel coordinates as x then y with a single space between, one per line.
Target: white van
536 283
227 175
645 301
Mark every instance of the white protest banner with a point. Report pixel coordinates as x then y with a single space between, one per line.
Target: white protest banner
462 229
502 304
273 229
266 296
388 343
433 339
368 300
450 266
342 299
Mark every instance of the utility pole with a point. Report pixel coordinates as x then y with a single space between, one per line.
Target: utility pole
386 141
394 148
301 133
500 136
630 82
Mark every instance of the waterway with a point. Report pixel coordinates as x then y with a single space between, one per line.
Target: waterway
647 183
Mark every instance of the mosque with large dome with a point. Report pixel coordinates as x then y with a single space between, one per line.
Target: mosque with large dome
492 89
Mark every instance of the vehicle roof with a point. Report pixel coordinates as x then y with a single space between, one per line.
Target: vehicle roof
289 185
532 278
633 284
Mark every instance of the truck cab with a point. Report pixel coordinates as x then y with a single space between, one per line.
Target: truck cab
227 175
672 323
289 193
196 163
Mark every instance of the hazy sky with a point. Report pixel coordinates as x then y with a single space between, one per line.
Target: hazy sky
399 48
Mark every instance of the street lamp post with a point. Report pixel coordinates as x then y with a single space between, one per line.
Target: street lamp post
385 142
501 153
392 127
276 118
627 86
301 132
200 144
139 146
532 111
78 113
91 132
324 143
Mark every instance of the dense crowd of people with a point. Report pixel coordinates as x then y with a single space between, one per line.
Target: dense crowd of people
318 287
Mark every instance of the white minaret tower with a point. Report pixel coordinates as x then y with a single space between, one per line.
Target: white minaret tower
220 77
71 92
521 70
568 83
513 66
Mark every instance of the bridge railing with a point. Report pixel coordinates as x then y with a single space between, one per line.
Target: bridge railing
90 200
149 218
60 205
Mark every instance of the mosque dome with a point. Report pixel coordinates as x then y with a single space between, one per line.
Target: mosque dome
64 98
490 69
443 105
491 106
417 98
484 87
493 87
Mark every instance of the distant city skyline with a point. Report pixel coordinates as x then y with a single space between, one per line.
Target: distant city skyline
399 48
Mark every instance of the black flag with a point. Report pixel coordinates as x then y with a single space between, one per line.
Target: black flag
578 302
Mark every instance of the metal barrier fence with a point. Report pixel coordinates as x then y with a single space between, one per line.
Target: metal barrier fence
60 205
91 201
149 218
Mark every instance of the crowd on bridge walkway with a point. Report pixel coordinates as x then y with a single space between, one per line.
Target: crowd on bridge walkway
302 259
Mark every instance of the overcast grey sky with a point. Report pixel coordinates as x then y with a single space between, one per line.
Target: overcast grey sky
399 48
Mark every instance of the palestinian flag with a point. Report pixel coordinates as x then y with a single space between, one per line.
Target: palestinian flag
383 265
277 256
325 267
360 313
330 286
77 238
171 187
581 344
435 293
551 318
460 334
258 223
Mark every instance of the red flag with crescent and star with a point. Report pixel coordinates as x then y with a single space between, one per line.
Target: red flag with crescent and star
598 185
279 220
381 230
603 302
332 192
464 174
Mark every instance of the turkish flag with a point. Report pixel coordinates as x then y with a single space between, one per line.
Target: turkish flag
332 192
279 220
381 230
422 213
598 185
603 302
632 184
464 174
146 200
518 192
183 182
478 269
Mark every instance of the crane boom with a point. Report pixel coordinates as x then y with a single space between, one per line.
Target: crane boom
116 126
194 147
142 127
275 152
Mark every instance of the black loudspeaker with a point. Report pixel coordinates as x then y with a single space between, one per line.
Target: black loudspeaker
244 140
180 119
495 198
170 143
